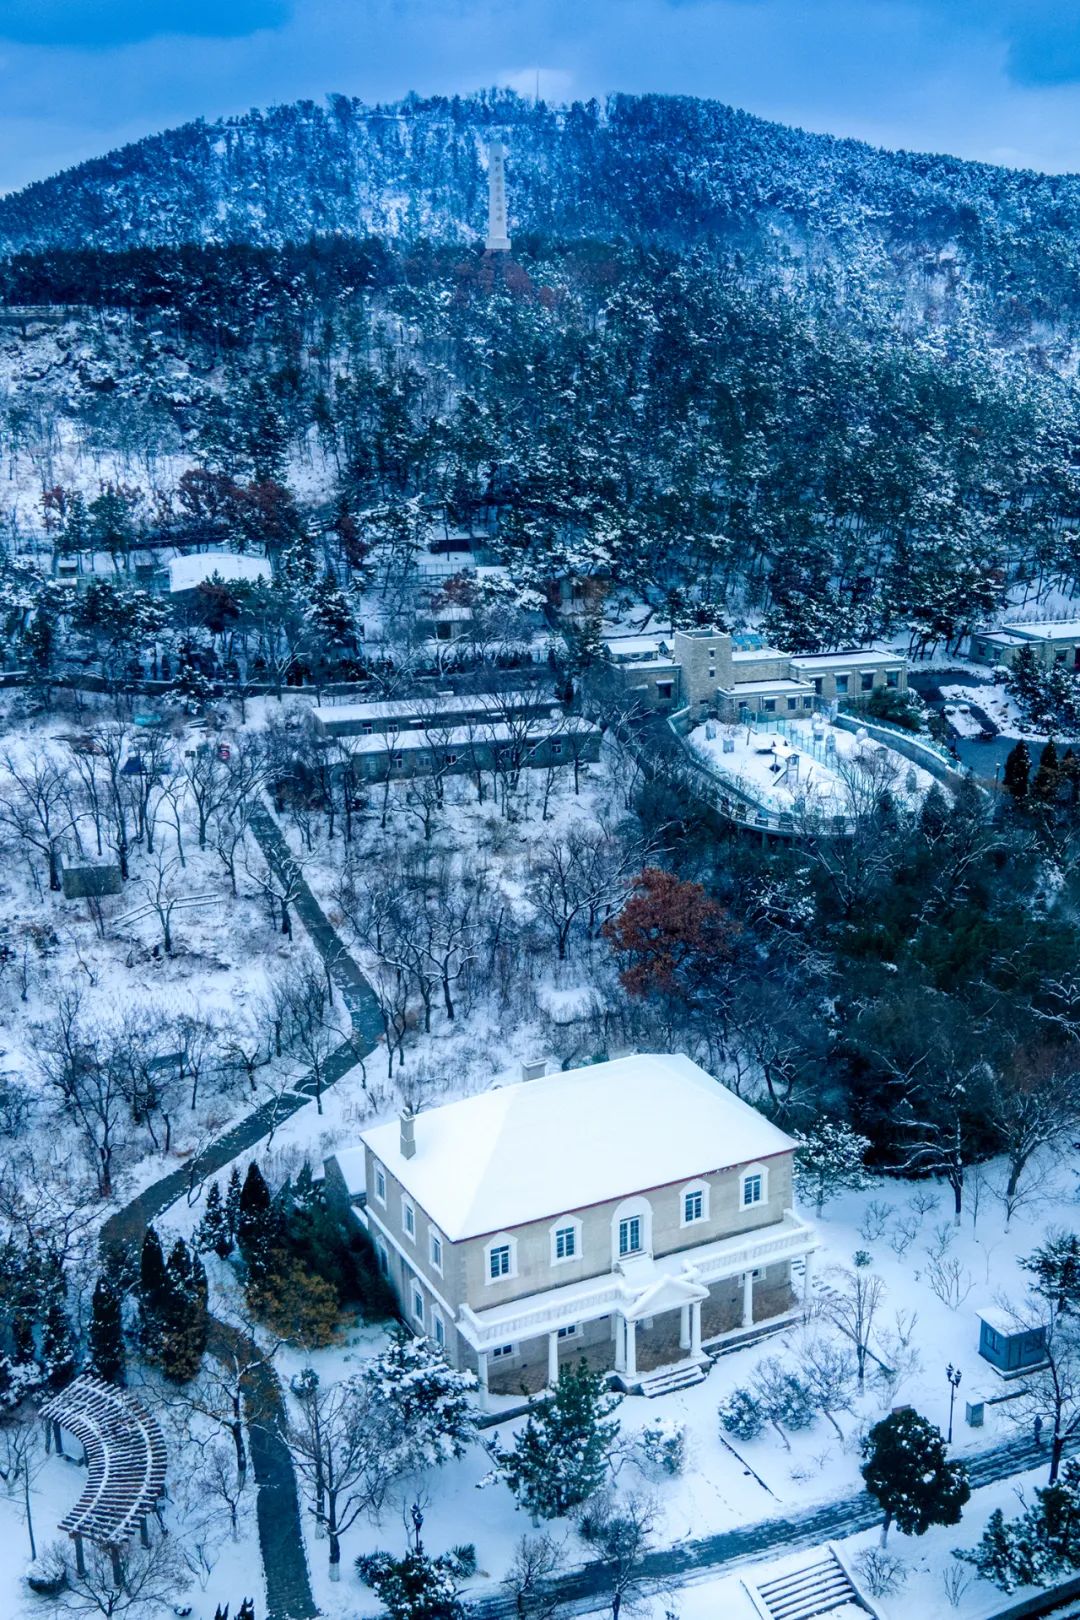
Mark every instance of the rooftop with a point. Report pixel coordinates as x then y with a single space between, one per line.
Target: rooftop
765 688
754 655
633 646
1047 630
539 1148
188 573
482 731
426 708
848 657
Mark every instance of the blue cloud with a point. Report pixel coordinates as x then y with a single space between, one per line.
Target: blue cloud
101 24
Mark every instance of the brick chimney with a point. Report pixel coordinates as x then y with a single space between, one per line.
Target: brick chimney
408 1133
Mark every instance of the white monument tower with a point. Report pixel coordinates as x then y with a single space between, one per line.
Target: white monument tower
497 239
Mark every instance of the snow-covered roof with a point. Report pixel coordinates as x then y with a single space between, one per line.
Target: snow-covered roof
848 658
539 1148
620 647
764 688
1052 630
188 573
420 709
754 655
480 731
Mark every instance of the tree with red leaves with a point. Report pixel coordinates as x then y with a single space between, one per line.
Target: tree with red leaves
670 937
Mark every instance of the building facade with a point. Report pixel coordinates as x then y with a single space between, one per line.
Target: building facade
632 1212
715 674
1052 642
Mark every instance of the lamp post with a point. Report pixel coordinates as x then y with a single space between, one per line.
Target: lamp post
953 1374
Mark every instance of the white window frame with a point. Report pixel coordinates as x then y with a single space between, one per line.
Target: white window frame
573 1331
438 1328
379 1182
626 1211
382 1254
418 1298
408 1218
569 1223
691 1189
501 1240
435 1250
503 1352
747 1174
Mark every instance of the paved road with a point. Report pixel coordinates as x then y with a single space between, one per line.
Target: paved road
281 1538
589 1587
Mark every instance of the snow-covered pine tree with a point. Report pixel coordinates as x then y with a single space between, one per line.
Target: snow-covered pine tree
185 1321
428 1399
212 1232
829 1160
1017 773
908 1473
153 1294
561 1455
233 1193
106 1331
259 1233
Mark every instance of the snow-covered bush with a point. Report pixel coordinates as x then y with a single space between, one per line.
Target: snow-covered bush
663 1445
881 1572
429 1398
783 1396
48 1574
829 1160
741 1415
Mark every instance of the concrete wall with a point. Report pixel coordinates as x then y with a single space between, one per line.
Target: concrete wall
705 661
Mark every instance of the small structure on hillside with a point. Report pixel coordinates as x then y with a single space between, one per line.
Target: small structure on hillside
1010 1347
91 881
200 567
125 1464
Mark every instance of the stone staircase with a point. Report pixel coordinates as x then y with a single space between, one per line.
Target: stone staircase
666 1380
817 1588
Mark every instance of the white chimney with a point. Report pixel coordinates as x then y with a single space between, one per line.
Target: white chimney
408 1133
534 1068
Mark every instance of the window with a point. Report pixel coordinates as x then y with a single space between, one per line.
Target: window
817 684
806 702
438 1328
791 703
664 689
892 678
399 760
384 1259
368 728
693 1206
556 749
500 1259
380 1184
501 1351
436 1252
841 685
450 759
868 682
564 1242
752 1189
569 1332
770 705
408 1218
1059 657
630 1235
418 1306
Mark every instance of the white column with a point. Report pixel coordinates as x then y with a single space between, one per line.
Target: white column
620 1343
748 1299
482 1370
695 1328
684 1327
631 1349
553 1358
808 1279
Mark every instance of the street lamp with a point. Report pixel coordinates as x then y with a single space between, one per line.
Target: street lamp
953 1374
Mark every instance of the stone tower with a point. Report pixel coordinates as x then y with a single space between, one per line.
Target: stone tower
497 239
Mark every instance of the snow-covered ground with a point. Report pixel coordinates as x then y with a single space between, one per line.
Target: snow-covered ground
805 765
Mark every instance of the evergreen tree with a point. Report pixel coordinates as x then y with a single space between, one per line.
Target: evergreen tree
908 1473
561 1455
212 1232
1047 783
416 1587
428 1398
106 1333
1016 778
233 1193
185 1320
57 1342
829 1160
259 1228
153 1294
1055 1266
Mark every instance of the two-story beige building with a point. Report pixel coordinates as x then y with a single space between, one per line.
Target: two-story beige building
632 1211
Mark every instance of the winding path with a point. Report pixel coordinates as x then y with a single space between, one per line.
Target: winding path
281 1535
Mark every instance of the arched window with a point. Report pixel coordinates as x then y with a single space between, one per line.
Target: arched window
694 1203
631 1229
500 1258
565 1240
753 1186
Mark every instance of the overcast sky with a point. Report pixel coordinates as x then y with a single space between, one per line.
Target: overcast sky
992 79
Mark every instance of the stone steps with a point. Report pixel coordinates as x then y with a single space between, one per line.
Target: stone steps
666 1380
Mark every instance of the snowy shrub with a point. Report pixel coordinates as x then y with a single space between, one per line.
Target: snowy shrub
429 1400
594 1516
663 1445
875 1219
463 1559
741 1415
904 1231
881 1572
783 1396
950 1281
48 1574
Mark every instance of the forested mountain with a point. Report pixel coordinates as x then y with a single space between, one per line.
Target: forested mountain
673 170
